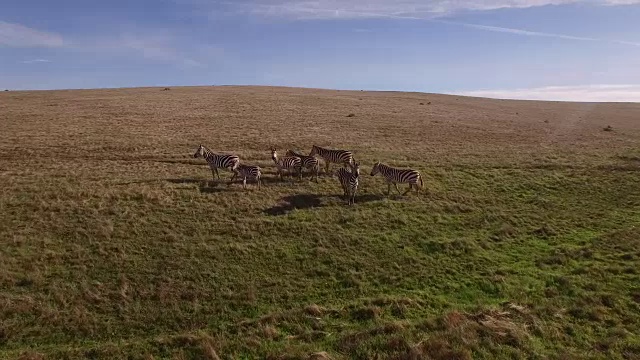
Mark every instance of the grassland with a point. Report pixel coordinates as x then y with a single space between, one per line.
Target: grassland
116 243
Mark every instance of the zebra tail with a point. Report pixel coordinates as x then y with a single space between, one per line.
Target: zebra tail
421 183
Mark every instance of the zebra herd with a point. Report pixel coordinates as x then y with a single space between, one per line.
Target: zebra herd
294 163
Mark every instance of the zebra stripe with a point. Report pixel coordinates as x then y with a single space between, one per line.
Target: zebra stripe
308 162
287 163
344 157
249 172
216 161
349 181
395 176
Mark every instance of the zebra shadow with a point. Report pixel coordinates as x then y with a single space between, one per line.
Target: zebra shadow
292 202
179 161
204 185
363 198
187 181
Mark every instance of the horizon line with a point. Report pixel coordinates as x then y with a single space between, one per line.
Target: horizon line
464 94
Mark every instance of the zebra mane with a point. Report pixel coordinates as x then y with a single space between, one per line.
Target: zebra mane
206 150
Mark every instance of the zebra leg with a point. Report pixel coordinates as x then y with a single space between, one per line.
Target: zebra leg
353 195
388 188
409 189
317 171
213 173
396 185
244 183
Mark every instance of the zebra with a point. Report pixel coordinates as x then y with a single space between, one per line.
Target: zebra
287 163
349 181
343 157
395 176
248 171
308 162
216 161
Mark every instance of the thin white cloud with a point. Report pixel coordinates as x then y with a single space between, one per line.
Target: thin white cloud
34 61
584 93
518 31
429 10
156 48
536 33
354 9
161 47
16 35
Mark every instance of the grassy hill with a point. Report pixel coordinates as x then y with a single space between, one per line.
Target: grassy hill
115 242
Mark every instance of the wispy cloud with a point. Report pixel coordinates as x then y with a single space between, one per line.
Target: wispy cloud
433 10
16 35
353 9
583 93
536 33
160 46
35 61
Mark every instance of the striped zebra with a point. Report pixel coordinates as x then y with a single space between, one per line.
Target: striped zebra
395 176
287 163
248 171
343 157
308 162
349 181
215 161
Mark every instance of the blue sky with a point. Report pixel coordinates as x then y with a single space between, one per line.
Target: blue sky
538 49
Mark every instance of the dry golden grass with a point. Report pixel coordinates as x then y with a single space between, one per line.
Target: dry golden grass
115 242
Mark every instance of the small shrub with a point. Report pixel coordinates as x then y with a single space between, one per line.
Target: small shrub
366 313
608 128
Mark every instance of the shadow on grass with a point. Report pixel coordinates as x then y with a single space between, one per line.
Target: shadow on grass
185 162
301 201
187 181
368 198
205 186
364 198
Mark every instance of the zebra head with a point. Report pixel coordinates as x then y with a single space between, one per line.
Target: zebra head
199 152
376 168
355 169
314 150
274 154
292 153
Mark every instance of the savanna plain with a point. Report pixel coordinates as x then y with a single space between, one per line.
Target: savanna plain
116 243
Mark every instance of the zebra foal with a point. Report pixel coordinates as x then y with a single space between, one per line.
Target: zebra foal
349 181
287 163
248 172
343 157
395 176
308 162
216 161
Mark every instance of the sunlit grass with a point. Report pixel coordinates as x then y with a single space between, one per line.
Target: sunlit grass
116 242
